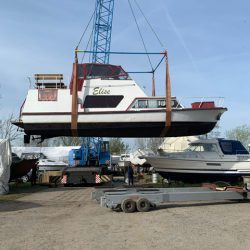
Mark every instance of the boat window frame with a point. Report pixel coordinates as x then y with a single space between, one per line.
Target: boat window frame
47 95
103 102
203 145
160 103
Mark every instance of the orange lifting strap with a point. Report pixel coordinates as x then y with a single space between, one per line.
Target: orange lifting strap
168 100
74 109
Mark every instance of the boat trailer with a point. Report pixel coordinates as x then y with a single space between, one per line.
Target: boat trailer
143 199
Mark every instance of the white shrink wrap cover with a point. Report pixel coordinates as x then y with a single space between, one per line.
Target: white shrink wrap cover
5 162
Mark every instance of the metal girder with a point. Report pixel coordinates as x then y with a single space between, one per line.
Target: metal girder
102 30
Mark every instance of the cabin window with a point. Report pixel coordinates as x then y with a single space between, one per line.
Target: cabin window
152 104
226 147
175 104
102 101
47 94
161 103
203 148
142 104
105 147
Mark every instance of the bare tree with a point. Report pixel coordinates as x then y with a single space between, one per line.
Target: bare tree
8 130
62 141
149 143
70 141
241 133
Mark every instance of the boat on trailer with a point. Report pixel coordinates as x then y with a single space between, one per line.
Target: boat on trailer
102 100
204 160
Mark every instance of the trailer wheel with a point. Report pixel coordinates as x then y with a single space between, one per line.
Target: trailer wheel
117 208
143 205
128 206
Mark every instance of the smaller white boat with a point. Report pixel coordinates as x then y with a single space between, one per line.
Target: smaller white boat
204 160
49 165
124 160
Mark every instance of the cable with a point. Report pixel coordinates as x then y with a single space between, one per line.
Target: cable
89 41
151 27
144 45
85 30
92 33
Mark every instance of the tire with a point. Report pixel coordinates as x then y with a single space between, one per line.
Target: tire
128 206
25 178
143 205
117 208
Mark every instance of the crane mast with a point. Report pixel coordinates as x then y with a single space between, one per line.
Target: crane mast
94 152
102 30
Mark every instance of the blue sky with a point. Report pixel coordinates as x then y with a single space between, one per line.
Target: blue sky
208 44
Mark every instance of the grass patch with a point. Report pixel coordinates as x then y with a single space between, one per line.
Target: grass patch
19 190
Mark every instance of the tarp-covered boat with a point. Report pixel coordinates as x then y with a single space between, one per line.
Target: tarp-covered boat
5 162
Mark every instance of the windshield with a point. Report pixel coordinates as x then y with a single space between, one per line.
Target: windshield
104 71
201 147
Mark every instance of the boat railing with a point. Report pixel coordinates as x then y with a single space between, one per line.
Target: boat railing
202 101
47 81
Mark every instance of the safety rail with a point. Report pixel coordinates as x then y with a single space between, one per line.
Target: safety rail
186 101
49 81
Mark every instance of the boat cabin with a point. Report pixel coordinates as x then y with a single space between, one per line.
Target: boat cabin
227 147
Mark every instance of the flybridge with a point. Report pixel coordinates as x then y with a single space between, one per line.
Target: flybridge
88 71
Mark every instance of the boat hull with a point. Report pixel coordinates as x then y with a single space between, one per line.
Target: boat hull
118 129
21 168
202 177
194 171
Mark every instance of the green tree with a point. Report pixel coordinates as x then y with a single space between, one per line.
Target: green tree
118 146
241 133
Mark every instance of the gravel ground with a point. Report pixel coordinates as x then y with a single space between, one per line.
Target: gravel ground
65 218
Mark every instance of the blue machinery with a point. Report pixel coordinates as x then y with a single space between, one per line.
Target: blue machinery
102 30
93 152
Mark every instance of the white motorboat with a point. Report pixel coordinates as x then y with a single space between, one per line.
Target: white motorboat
49 165
108 104
204 160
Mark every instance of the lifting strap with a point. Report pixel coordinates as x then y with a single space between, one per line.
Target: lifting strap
168 100
153 83
74 108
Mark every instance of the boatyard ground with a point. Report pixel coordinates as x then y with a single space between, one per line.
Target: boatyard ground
67 218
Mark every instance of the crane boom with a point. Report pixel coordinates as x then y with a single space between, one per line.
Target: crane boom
93 156
102 30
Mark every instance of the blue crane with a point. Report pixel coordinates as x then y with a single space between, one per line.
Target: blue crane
94 152
102 40
102 30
